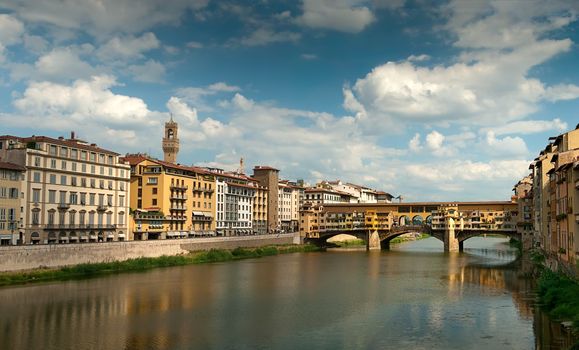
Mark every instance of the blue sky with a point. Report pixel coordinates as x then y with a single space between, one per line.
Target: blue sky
434 102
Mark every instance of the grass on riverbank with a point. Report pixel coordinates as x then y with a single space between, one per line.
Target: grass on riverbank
401 239
559 296
351 243
142 264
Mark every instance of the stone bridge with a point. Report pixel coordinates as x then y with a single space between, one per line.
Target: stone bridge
453 239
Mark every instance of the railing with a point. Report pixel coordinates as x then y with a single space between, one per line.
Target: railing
63 206
178 208
101 207
183 197
179 187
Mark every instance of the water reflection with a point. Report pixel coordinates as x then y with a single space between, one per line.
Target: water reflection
414 297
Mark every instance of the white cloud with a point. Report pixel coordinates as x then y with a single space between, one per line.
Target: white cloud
266 36
418 58
11 30
434 140
128 47
505 147
62 64
194 45
196 96
343 15
529 127
148 72
101 18
414 143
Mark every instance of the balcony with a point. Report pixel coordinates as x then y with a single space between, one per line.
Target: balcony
183 208
179 187
176 218
63 206
101 207
178 197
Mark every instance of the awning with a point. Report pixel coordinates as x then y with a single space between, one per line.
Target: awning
198 213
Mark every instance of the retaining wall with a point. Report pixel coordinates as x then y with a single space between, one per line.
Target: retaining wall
13 258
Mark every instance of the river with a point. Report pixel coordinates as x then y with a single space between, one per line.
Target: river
414 296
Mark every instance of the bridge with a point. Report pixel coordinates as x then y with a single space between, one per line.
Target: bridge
378 224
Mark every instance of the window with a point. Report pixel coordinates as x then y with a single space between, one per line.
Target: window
73 180
121 186
109 219
62 198
154 201
92 183
110 200
71 217
110 160
36 161
63 165
52 150
53 179
81 216
83 182
73 154
91 218
36 195
91 198
152 180
36 177
53 163
110 171
93 157
73 165
51 218
83 198
102 170
83 168
110 184
102 183
63 179
154 190
121 219
121 201
35 217
51 196
82 155
92 169
63 152
73 198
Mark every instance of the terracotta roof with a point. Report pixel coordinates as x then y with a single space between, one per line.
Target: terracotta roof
67 142
264 167
11 166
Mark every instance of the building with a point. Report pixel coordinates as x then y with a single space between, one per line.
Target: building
260 210
237 207
183 195
358 194
268 177
383 197
555 200
73 191
321 195
524 197
171 142
290 195
11 180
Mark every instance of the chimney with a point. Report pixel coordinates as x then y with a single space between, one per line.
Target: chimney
72 135
61 138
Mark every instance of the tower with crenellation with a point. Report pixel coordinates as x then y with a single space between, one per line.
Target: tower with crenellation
170 142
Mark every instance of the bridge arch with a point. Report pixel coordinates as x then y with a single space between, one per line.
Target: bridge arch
417 220
428 220
404 220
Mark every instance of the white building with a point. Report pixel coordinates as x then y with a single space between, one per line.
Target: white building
359 194
73 191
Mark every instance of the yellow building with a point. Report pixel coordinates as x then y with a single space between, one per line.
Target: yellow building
11 178
183 196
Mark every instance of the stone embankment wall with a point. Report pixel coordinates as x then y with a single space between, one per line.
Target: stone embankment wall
14 258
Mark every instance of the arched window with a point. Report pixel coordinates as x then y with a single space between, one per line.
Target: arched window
170 134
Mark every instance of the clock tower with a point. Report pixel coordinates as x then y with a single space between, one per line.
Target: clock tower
170 141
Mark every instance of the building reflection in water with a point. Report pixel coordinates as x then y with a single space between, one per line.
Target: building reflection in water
511 277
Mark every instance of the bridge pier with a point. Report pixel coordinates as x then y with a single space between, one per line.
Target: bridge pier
373 240
461 246
451 243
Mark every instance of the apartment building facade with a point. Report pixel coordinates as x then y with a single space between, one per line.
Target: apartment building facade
11 180
179 199
72 191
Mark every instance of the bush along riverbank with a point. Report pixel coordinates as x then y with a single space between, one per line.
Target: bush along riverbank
143 264
558 294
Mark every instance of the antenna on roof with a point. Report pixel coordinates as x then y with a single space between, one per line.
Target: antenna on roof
171 114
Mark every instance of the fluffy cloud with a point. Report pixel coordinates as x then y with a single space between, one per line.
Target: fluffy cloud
62 64
148 72
101 18
11 30
344 15
529 127
488 84
196 96
128 47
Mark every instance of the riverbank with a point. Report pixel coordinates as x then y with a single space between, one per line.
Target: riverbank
81 271
558 294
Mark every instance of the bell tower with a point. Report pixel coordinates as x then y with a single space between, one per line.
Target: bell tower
170 141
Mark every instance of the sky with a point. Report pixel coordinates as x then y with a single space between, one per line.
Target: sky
431 100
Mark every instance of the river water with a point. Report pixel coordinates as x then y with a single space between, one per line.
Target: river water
414 296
